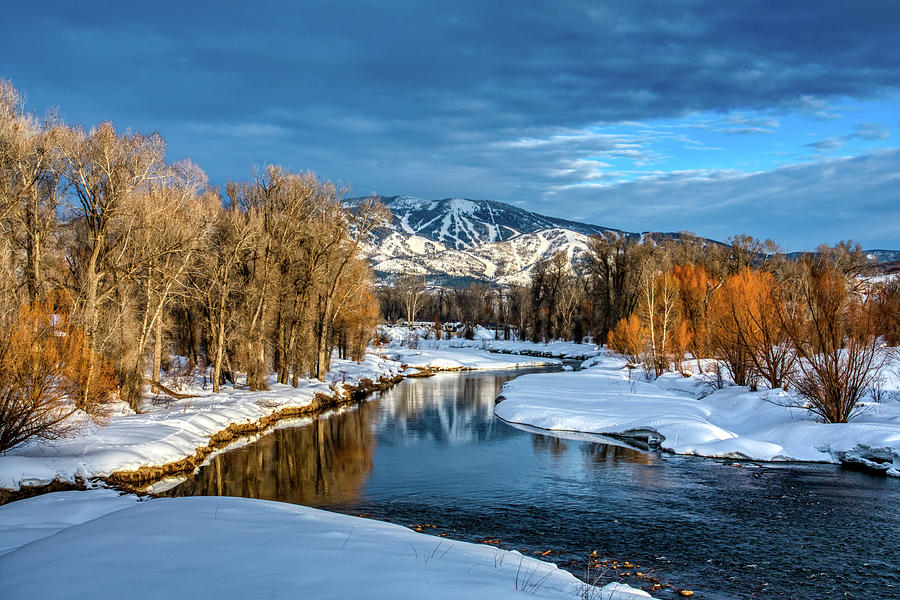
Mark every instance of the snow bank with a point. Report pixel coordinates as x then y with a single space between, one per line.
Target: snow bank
423 338
569 350
462 358
96 544
170 433
729 423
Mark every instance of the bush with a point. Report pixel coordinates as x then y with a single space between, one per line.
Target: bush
837 341
45 375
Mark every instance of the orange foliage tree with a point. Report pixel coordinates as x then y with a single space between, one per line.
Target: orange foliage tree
695 288
628 338
727 322
750 316
887 310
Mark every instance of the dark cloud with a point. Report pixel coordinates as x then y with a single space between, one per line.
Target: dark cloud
498 66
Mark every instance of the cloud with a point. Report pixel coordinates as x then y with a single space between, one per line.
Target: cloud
864 131
828 144
871 131
799 206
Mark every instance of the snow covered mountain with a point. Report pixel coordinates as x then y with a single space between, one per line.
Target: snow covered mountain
454 241
457 240
459 223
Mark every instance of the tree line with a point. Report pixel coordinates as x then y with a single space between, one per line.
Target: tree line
112 260
814 322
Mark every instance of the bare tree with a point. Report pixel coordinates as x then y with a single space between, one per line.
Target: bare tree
412 289
218 286
106 171
660 310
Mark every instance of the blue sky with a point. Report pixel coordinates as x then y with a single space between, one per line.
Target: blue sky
777 119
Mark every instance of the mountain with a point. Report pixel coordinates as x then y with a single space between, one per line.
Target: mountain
460 224
454 241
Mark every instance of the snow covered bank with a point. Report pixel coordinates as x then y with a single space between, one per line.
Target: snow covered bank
461 358
423 338
183 432
97 544
728 423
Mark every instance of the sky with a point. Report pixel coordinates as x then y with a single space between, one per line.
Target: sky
776 119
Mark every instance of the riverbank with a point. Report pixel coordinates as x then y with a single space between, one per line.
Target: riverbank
174 436
686 415
103 544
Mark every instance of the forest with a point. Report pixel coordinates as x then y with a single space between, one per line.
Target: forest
113 259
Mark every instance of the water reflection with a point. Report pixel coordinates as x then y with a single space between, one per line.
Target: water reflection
610 455
446 408
326 462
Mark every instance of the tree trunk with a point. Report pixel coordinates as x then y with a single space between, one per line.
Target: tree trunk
157 354
321 350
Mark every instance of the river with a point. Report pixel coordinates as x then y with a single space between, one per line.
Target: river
430 453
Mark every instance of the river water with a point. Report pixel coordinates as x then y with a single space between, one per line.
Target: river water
430 453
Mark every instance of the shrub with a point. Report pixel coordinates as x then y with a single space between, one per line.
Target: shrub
838 346
44 372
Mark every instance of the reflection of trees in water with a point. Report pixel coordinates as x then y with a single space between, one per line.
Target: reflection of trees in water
547 443
610 454
595 454
445 408
326 462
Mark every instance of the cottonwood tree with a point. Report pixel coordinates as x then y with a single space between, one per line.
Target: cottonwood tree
571 293
615 265
846 258
660 311
411 287
30 184
106 170
217 285
356 313
341 245
171 228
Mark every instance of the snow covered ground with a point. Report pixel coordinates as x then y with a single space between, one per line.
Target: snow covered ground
608 399
462 359
98 544
422 337
166 434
